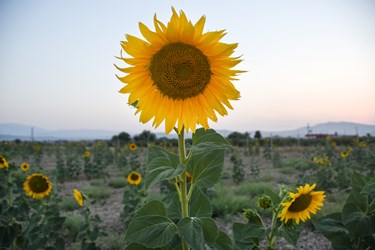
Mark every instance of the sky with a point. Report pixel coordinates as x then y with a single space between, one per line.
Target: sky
306 61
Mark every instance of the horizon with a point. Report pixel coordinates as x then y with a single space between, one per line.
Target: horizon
161 132
306 62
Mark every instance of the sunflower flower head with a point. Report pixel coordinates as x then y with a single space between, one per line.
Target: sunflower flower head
37 186
25 166
301 204
3 162
78 196
86 154
134 178
179 75
133 147
362 144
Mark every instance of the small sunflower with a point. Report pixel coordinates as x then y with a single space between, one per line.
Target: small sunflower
78 196
302 203
344 154
179 75
3 162
25 166
362 144
134 178
86 154
37 186
132 147
37 148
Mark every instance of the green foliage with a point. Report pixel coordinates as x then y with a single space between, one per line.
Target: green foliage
68 204
354 226
238 172
186 219
253 188
117 182
72 225
121 139
144 138
89 231
97 192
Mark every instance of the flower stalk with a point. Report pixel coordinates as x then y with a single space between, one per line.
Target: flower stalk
182 190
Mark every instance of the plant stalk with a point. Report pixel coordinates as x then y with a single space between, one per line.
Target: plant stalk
183 185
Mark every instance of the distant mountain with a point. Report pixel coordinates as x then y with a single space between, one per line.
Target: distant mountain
341 128
12 131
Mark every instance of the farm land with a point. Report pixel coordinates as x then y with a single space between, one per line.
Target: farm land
100 171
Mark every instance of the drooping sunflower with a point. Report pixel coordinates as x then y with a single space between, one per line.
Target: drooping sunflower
179 75
78 196
25 166
37 186
134 178
3 162
133 147
302 203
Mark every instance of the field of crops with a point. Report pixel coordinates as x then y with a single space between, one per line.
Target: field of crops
41 210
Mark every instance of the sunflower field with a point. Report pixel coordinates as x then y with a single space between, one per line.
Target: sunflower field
319 193
203 192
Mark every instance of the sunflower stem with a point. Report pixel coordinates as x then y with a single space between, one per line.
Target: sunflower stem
271 239
183 186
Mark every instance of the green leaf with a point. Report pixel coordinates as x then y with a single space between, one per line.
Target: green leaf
199 205
369 188
222 242
150 227
357 222
160 169
210 229
190 229
204 140
156 151
290 234
333 229
248 236
174 208
206 167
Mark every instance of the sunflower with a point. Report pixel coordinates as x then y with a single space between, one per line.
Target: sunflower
134 178
302 203
37 186
37 148
78 196
86 154
25 166
362 144
344 154
179 75
132 147
3 162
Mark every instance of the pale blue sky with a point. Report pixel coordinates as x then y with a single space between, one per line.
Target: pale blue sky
307 61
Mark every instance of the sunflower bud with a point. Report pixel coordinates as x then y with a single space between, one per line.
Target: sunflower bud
264 202
251 215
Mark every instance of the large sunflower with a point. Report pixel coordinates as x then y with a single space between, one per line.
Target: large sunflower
37 186
302 203
179 75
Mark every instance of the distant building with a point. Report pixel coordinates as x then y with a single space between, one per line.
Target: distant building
320 135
